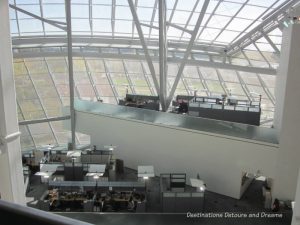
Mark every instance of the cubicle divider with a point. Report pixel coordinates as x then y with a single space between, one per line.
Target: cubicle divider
179 200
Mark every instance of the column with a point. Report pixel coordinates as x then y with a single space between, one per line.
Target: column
162 54
296 210
11 171
287 115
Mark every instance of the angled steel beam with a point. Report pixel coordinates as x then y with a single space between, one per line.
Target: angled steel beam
17 20
113 16
51 22
143 42
150 26
131 86
266 89
254 21
188 51
209 18
91 16
232 18
163 51
277 51
268 25
26 127
89 74
262 55
153 17
42 15
39 99
179 27
133 21
173 11
147 79
190 17
70 64
46 120
110 81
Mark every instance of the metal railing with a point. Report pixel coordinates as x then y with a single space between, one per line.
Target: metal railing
236 130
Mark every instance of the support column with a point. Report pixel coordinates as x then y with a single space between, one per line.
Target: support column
287 119
296 210
70 63
11 171
162 54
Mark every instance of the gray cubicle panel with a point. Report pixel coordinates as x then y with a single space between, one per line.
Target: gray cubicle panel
183 202
169 202
247 117
141 207
73 172
100 159
88 206
152 106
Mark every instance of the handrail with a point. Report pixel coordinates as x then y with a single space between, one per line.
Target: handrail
13 213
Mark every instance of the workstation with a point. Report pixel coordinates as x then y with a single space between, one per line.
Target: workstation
223 107
94 197
141 101
100 116
226 108
75 185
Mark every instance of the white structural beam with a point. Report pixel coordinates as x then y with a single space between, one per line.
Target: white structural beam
271 43
163 51
254 21
170 59
179 27
105 41
57 24
143 43
150 26
70 66
152 17
113 16
11 171
269 24
188 51
45 120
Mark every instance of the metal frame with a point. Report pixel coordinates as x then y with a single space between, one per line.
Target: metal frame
70 64
131 86
164 55
170 59
271 22
45 120
83 40
56 24
271 43
143 42
40 101
163 51
188 51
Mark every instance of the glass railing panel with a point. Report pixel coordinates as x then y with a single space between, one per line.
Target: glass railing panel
182 121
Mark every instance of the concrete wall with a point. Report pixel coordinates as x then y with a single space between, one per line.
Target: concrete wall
287 119
219 160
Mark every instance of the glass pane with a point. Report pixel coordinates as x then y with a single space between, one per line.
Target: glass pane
229 75
209 73
214 87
